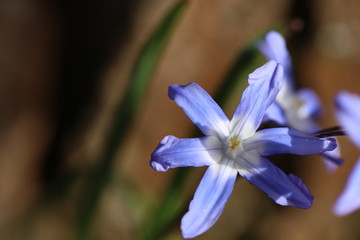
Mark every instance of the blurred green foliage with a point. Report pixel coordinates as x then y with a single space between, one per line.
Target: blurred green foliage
139 80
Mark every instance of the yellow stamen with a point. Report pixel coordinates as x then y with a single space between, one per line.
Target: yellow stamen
234 143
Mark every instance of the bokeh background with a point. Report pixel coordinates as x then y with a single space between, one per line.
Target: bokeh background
77 127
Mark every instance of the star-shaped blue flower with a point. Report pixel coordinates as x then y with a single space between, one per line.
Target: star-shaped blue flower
232 147
348 114
294 108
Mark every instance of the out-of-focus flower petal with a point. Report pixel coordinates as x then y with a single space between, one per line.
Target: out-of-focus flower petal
264 83
297 111
299 107
200 108
332 159
287 140
209 199
276 114
286 190
348 114
349 199
311 106
274 48
175 152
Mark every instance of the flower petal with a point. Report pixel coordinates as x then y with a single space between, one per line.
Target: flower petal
175 152
311 106
276 114
297 110
287 140
348 114
274 48
286 190
209 199
264 84
200 108
349 199
332 159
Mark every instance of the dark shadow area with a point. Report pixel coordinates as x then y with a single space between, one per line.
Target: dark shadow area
302 28
93 32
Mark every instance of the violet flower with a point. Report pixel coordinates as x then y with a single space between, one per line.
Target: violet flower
232 147
295 108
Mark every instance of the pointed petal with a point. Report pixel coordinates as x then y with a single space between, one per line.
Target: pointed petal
349 200
311 106
274 48
286 190
348 114
209 199
200 108
175 152
287 140
264 84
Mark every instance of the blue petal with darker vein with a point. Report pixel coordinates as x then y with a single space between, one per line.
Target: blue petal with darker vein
286 190
264 84
209 200
200 108
175 152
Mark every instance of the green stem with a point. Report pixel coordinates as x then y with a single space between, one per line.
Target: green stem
142 72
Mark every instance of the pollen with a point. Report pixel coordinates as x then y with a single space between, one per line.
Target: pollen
234 143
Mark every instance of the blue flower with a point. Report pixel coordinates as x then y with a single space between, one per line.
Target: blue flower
294 108
232 147
348 115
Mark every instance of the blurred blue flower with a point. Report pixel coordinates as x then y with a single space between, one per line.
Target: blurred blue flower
294 108
231 147
348 114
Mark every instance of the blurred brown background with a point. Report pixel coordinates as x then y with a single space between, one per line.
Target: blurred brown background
64 66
